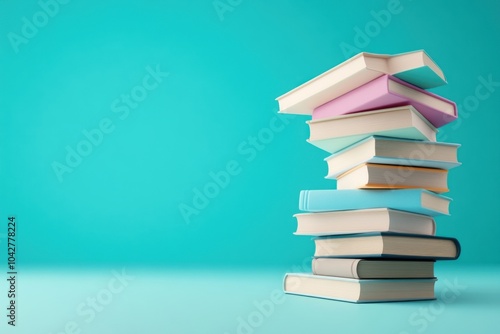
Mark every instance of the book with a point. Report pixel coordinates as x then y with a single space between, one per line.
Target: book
414 67
370 269
388 91
362 221
393 151
359 290
374 176
387 245
336 133
418 201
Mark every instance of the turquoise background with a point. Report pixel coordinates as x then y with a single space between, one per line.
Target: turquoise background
121 204
120 207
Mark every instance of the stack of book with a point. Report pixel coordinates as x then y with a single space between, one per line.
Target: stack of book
375 234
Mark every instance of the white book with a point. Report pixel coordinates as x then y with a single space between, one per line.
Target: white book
363 221
336 133
359 290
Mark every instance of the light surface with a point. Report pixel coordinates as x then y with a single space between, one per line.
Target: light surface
201 301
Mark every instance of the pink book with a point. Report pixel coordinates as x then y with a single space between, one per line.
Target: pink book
388 91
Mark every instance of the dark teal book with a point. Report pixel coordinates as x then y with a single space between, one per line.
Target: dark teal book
412 200
388 245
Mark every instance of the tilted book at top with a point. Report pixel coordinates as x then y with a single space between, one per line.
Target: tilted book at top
416 68
388 91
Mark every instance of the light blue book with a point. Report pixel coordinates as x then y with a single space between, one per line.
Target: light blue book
412 200
393 151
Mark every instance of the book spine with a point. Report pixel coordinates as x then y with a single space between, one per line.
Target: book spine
334 267
303 202
433 227
458 247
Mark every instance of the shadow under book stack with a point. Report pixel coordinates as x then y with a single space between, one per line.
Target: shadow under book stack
375 234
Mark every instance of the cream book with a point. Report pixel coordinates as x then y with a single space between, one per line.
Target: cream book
363 221
415 67
388 245
393 151
374 176
336 133
359 290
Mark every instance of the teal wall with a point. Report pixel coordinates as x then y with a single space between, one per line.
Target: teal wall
209 107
